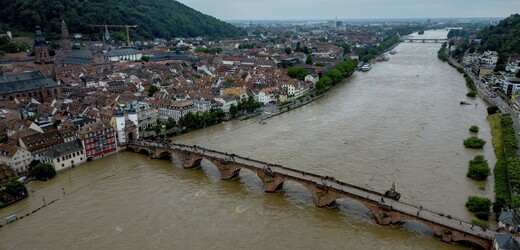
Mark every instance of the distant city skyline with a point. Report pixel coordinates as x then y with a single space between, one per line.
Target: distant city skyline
350 9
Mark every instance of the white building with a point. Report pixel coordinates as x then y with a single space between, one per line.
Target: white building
227 102
266 96
124 119
123 55
202 105
65 155
15 157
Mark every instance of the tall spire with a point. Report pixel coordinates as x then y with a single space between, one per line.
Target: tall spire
106 36
65 41
41 52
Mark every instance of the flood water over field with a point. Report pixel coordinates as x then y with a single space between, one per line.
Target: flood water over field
400 122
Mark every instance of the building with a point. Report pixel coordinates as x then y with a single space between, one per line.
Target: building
29 85
15 157
126 125
513 65
147 115
508 221
168 108
65 155
266 96
510 86
227 101
505 242
202 105
36 142
123 55
98 139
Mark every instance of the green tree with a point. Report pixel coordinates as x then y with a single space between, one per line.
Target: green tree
517 75
43 171
233 110
170 123
474 129
309 59
297 72
287 50
474 142
152 89
33 164
145 58
478 168
480 206
16 188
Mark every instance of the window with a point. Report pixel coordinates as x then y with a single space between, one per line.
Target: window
58 159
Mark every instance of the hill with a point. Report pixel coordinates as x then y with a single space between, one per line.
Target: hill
157 18
503 38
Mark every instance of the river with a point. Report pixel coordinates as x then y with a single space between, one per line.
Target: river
400 122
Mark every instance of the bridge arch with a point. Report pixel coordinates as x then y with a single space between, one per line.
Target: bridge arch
359 208
130 149
310 189
164 154
143 151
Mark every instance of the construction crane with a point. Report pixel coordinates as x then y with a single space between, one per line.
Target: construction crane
118 26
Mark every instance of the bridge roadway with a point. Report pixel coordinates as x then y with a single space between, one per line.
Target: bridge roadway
419 213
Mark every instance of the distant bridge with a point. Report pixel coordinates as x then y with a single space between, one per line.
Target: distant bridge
324 190
424 40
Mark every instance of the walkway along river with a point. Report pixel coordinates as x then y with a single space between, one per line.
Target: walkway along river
400 122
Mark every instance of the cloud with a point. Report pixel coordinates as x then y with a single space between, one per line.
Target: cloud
350 9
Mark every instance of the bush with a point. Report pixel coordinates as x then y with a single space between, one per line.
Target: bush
474 129
16 188
480 223
483 215
43 171
479 206
502 191
478 168
471 93
515 202
474 142
508 132
492 110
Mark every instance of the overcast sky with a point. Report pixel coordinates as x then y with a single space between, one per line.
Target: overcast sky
352 9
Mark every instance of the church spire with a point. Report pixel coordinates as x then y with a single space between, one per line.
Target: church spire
65 40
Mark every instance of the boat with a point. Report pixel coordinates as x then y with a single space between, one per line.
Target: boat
386 58
464 103
393 52
366 67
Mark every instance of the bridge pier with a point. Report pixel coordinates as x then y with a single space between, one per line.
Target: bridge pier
188 159
228 170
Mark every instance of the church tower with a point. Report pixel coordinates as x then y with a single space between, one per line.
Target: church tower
65 39
40 47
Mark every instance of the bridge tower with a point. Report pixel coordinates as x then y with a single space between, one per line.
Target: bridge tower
120 126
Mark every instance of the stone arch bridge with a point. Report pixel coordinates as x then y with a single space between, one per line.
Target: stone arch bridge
324 190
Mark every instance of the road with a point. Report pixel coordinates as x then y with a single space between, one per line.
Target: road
498 100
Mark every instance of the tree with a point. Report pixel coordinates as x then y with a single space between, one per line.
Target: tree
478 168
479 206
297 72
145 58
43 171
287 50
16 188
517 75
474 129
320 64
309 59
170 123
474 142
152 89
233 110
33 164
